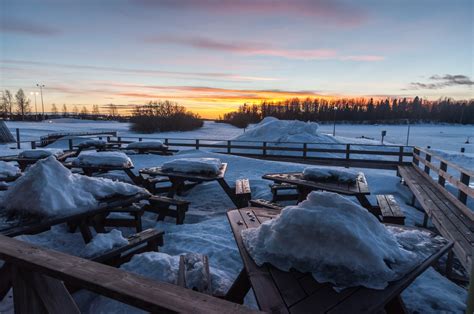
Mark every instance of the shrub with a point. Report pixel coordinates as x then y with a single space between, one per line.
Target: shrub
164 116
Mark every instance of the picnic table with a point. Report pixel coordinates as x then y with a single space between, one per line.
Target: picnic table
25 162
178 180
296 292
359 189
89 170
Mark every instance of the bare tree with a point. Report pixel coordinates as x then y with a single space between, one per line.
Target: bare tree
22 103
65 112
7 102
84 112
75 111
95 110
54 110
113 110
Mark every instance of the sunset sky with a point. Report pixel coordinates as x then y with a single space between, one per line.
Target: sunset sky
212 56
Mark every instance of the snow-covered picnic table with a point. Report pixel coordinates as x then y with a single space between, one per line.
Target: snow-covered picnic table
358 188
296 292
29 157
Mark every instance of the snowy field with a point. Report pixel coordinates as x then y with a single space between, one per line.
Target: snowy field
206 229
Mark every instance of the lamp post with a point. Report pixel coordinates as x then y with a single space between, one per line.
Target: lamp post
408 131
41 91
334 126
36 107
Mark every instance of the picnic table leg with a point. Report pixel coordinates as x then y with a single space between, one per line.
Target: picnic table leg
88 171
5 280
85 231
239 288
136 179
228 190
176 184
395 306
302 193
365 203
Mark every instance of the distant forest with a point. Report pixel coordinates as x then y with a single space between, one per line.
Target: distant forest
358 110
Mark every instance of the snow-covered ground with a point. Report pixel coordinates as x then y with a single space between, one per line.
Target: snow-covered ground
207 231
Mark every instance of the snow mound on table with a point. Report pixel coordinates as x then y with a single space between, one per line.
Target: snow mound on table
145 145
104 242
50 189
320 173
8 170
92 143
275 130
207 166
40 153
111 159
350 247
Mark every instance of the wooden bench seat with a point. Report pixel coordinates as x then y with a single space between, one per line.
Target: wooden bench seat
390 211
161 206
134 220
276 187
243 192
265 204
445 211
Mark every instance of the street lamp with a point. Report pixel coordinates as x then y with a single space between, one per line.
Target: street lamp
334 126
41 91
36 107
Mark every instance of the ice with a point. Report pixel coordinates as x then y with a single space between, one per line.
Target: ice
328 173
8 170
207 166
111 159
103 242
350 247
145 145
40 153
50 189
92 143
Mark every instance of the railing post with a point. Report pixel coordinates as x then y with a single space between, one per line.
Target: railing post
33 145
108 139
228 147
71 147
444 167
166 141
428 159
18 144
348 151
465 180
264 148
139 139
400 155
100 138
416 151
197 144
305 150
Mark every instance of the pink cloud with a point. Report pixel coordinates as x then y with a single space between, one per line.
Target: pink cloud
363 58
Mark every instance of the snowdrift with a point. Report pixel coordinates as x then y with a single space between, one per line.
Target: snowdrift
40 153
49 189
350 247
8 170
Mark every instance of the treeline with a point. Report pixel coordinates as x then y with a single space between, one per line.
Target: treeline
356 110
163 116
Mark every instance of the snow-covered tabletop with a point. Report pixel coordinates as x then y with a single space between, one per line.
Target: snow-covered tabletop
297 292
159 171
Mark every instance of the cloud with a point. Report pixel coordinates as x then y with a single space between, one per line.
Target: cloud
334 11
13 25
259 49
442 81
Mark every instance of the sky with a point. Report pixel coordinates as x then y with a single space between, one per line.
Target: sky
214 55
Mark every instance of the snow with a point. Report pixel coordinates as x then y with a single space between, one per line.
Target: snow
145 145
328 173
8 170
104 242
111 159
40 153
92 143
207 166
351 248
464 160
50 189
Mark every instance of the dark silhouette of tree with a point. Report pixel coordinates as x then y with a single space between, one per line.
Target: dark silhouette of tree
22 104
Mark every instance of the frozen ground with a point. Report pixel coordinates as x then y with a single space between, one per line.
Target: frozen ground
207 231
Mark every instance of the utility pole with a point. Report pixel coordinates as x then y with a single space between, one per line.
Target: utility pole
41 91
334 126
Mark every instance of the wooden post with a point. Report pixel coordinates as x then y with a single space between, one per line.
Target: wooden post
228 147
348 151
416 151
166 141
400 155
108 139
444 167
461 195
264 148
197 144
140 139
305 150
18 145
33 145
71 147
428 159
470 293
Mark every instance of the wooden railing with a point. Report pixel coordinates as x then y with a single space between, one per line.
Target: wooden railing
442 167
41 278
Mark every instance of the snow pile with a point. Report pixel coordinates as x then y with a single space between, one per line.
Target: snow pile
92 143
8 170
350 246
206 166
145 145
40 153
49 189
111 159
104 242
341 175
275 130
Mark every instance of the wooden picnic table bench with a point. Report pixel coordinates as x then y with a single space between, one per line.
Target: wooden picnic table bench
359 189
25 162
279 291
